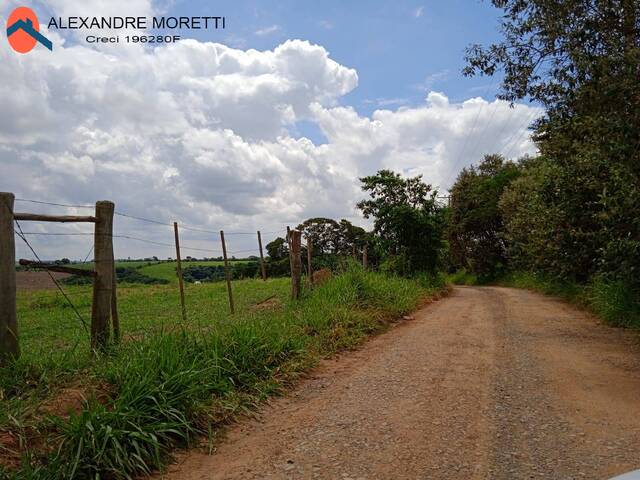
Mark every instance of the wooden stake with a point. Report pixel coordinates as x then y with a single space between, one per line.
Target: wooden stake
309 266
365 260
115 319
263 269
179 272
103 283
227 273
289 247
9 349
296 263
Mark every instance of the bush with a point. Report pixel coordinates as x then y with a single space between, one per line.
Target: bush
462 277
215 273
123 274
615 301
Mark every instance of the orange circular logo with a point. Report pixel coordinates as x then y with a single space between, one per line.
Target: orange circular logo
21 21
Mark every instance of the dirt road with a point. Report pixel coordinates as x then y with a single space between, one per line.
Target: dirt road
490 383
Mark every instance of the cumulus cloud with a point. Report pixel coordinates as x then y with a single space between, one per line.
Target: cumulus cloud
199 132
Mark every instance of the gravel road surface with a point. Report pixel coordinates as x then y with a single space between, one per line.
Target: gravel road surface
489 383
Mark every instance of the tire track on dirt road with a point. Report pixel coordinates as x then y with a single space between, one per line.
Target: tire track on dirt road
489 383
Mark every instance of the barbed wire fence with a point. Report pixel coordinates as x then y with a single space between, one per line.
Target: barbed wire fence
102 250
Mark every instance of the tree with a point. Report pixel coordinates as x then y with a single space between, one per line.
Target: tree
581 60
333 238
351 237
278 249
324 234
476 231
407 219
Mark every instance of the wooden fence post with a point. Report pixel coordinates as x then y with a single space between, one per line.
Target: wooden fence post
289 247
9 349
309 266
179 272
227 273
296 263
115 319
103 282
263 270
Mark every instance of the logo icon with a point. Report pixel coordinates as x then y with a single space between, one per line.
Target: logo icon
23 31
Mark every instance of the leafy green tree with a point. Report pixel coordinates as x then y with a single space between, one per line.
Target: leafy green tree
351 237
324 234
581 60
476 231
407 220
277 249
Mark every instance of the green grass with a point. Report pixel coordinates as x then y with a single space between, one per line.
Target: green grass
613 301
169 384
462 277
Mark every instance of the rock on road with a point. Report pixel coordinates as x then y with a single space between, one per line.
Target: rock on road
489 383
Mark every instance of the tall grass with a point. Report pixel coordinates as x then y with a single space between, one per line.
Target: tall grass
171 388
614 301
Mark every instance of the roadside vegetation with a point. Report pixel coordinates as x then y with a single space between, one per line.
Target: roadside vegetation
169 384
66 413
565 222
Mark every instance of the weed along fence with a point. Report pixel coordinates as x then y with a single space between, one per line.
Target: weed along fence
106 306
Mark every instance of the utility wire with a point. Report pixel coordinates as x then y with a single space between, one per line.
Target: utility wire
513 140
54 204
143 219
129 237
85 258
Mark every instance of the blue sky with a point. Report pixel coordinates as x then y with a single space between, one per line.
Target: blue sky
264 124
400 49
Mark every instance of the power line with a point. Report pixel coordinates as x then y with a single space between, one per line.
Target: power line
473 126
144 219
517 137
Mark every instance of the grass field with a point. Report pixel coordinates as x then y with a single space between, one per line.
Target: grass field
169 383
50 329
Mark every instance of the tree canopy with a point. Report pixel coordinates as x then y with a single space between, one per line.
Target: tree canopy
407 219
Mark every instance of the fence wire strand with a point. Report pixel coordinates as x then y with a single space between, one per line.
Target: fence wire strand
53 279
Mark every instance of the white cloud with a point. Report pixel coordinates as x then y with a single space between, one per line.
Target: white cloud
268 30
198 132
418 12
387 102
431 80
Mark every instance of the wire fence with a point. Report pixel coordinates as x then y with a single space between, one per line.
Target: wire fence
78 300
